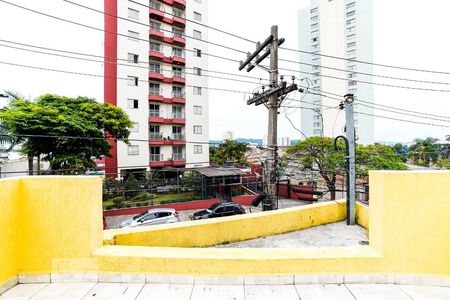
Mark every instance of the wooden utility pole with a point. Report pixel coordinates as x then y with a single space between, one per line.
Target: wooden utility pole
271 99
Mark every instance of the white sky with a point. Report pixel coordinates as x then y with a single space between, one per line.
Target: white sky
406 33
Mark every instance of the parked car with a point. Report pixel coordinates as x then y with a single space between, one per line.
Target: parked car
220 209
152 217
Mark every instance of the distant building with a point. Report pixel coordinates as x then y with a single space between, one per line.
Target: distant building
165 92
228 135
341 28
284 141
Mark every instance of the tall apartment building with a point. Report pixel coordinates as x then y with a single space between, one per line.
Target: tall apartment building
341 28
153 71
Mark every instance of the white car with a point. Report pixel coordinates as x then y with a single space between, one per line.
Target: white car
152 217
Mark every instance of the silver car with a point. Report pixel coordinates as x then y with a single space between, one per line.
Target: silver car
152 217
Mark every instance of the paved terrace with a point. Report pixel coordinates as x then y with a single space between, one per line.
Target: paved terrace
223 292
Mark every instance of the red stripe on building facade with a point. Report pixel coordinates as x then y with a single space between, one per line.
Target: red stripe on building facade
110 69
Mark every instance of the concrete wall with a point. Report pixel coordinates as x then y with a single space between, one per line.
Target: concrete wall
52 225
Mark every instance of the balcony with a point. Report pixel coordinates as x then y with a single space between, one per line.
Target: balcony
178 139
178 77
156 33
179 21
178 159
178 97
156 95
156 74
156 160
179 39
156 11
155 116
156 52
180 4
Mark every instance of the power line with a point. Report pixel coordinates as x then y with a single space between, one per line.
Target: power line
109 58
219 45
366 62
364 73
103 76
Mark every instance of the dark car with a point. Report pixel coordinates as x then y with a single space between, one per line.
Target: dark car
221 209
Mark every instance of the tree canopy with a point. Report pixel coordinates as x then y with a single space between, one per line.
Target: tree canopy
79 126
318 154
229 150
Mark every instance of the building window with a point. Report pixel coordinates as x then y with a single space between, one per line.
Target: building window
178 32
316 117
155 5
314 39
133 149
133 14
352 83
135 127
154 89
197 16
317 131
155 25
177 72
177 52
351 37
197 52
197 90
351 75
315 32
350 14
178 13
199 1
351 29
133 36
197 71
133 81
177 92
133 58
198 149
155 68
350 5
351 44
314 10
132 103
352 21
197 129
197 110
314 26
317 124
155 47
197 34
315 47
351 52
314 18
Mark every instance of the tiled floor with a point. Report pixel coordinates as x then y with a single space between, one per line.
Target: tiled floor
235 292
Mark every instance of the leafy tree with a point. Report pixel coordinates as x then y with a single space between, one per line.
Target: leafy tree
229 150
424 152
131 187
401 150
65 118
318 154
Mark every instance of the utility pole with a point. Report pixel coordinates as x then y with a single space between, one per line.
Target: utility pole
271 99
351 173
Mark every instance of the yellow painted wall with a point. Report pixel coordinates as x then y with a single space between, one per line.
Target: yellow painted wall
53 225
227 230
49 224
362 215
9 229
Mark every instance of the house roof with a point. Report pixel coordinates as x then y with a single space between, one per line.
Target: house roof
220 171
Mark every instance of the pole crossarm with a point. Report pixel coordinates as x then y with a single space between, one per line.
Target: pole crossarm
259 48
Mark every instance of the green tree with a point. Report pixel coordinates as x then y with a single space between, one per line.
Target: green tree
131 187
65 118
319 154
424 152
401 150
229 150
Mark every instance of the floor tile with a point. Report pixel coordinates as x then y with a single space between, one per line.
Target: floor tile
63 291
323 292
219 292
115 291
377 292
161 291
423 292
23 291
269 292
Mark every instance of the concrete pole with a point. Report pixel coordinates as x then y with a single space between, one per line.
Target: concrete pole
350 134
273 118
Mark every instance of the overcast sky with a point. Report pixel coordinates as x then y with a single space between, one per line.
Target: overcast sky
406 33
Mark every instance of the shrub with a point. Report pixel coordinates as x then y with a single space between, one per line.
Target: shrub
118 201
